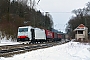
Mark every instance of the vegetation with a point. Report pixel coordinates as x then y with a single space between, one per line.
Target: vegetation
82 16
17 13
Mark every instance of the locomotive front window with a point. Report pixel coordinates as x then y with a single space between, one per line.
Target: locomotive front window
23 29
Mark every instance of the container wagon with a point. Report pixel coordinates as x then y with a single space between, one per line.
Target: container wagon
49 35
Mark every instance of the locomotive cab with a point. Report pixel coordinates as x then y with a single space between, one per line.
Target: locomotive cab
24 34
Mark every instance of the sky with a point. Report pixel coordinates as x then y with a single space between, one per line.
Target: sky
61 10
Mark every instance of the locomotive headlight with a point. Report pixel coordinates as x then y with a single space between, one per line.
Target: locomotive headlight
18 37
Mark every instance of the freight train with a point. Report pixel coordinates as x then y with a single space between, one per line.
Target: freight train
34 35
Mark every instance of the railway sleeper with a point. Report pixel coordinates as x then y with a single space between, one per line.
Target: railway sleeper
3 51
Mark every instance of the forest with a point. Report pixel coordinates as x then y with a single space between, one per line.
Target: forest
15 13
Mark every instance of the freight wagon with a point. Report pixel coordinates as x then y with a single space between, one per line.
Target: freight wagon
49 35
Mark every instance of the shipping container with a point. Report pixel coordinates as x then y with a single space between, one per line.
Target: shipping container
55 36
59 37
49 34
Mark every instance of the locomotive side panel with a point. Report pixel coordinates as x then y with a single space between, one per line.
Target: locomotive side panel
40 34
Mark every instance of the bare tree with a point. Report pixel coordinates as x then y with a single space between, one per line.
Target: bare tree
88 6
32 3
23 1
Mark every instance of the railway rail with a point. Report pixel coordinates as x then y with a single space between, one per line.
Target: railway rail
10 50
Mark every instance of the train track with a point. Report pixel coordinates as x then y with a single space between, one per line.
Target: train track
10 50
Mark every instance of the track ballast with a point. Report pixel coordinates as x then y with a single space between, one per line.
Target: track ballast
10 50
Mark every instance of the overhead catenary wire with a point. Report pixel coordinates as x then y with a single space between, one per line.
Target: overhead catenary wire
53 12
39 7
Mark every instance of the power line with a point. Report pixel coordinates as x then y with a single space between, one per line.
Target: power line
56 12
40 8
49 11
60 12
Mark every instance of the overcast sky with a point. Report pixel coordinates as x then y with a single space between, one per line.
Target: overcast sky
60 10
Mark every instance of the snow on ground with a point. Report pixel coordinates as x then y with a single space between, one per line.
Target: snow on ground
67 51
4 41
